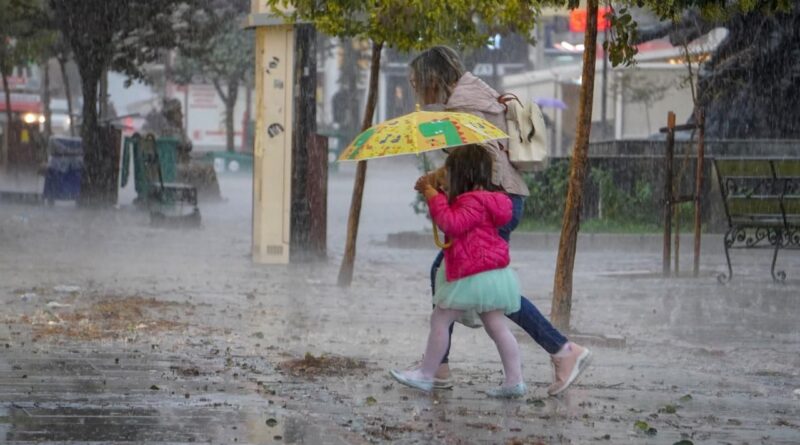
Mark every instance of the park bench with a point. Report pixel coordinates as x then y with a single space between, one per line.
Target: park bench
762 204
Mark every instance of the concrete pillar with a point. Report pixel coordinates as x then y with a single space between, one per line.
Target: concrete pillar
289 160
272 182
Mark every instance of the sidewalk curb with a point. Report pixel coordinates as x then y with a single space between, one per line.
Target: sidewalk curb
598 340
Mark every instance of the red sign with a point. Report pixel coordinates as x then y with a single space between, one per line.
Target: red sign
22 103
577 19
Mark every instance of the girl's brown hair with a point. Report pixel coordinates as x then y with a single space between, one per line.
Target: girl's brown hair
468 168
434 73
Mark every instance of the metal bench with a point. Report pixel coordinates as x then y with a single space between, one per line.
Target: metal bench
762 205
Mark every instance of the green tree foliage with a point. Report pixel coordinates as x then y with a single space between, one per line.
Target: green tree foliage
408 25
224 57
18 28
746 86
626 34
418 24
22 39
122 36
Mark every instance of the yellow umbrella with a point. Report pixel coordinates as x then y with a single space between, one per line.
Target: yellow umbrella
418 132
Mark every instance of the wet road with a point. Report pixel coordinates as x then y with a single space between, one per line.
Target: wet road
176 337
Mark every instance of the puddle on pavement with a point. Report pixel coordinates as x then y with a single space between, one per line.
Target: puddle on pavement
194 424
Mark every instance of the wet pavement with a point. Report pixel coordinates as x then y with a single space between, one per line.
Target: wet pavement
173 337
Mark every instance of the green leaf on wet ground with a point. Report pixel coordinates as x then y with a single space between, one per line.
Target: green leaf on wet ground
271 422
535 402
669 409
370 401
686 398
645 428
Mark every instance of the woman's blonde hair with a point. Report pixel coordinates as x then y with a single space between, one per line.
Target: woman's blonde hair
434 73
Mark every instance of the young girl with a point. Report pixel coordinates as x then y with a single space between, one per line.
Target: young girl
475 275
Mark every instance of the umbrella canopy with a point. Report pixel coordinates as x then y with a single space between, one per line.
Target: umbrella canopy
419 132
550 102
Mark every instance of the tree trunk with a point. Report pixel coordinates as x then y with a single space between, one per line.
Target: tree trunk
229 128
96 163
9 116
562 286
247 142
230 103
48 114
103 102
348 262
62 63
230 109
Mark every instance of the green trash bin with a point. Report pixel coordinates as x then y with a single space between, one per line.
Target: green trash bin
155 160
155 170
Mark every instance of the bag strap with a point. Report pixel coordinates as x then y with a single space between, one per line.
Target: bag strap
505 98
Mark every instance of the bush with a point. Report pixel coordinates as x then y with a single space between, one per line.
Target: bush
616 209
620 206
613 207
548 188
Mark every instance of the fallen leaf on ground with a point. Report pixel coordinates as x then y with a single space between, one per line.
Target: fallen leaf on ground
323 365
484 425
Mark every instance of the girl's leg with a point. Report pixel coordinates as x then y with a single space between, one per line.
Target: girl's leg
495 325
438 343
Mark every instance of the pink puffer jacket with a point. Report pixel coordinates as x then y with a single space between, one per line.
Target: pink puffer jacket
471 223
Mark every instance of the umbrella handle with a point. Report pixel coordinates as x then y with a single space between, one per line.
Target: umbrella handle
438 241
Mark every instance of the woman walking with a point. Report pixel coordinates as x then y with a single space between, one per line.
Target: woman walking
440 81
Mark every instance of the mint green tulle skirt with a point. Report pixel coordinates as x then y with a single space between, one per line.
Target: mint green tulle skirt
493 290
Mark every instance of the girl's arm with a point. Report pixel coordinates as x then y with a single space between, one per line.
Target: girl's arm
456 219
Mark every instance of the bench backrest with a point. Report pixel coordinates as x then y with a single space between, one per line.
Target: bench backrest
760 192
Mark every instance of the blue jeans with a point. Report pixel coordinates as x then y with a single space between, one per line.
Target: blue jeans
528 316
